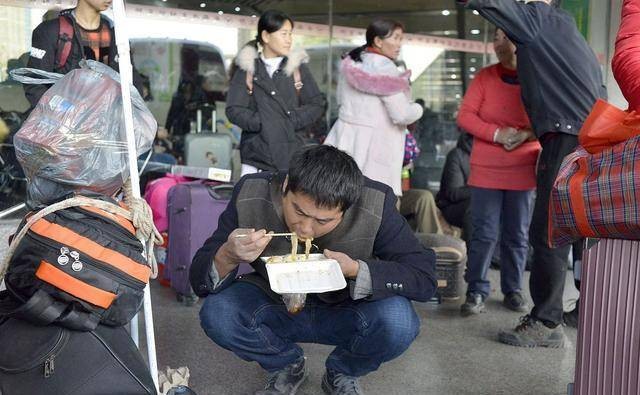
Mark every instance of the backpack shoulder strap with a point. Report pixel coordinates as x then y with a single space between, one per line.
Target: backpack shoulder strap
297 80
65 40
105 30
249 82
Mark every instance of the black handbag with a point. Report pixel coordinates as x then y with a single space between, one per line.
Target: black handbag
54 360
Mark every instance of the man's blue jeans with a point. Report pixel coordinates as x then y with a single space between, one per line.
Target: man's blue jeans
244 320
494 212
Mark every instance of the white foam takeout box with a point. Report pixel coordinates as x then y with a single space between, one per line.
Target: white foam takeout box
318 274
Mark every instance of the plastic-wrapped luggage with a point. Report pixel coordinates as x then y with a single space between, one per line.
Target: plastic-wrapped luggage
74 140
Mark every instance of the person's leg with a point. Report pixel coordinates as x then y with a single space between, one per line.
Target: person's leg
163 157
541 328
486 206
422 206
570 318
549 264
244 320
577 249
366 333
514 246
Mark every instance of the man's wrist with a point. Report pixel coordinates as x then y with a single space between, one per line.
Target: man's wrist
223 261
355 270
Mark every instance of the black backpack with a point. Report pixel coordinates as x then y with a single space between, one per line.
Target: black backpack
77 267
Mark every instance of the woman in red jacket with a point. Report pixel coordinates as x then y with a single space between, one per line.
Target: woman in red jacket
502 178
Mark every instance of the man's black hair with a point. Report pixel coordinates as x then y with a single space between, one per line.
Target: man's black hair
556 3
327 175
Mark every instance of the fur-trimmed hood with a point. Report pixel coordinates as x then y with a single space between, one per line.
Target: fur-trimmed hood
246 59
376 75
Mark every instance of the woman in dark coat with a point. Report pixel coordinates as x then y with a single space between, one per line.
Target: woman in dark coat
272 96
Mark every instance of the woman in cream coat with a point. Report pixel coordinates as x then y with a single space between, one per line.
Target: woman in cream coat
375 105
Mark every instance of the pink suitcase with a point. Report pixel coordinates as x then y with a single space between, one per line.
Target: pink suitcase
608 349
156 194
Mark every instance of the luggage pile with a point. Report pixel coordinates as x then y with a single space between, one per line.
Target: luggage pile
76 269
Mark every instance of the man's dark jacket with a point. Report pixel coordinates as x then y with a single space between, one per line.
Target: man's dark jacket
558 71
453 184
44 41
397 262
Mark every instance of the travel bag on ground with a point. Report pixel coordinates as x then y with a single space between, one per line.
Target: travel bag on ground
51 360
451 260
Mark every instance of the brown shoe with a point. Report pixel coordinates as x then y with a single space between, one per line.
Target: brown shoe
531 332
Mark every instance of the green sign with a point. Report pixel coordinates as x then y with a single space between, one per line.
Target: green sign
580 11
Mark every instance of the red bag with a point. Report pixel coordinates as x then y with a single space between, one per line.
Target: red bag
597 190
606 126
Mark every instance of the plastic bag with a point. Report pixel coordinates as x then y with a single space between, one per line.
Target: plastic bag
294 302
74 140
607 126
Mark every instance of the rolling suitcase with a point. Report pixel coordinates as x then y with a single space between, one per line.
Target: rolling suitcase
194 209
608 349
208 150
204 147
206 123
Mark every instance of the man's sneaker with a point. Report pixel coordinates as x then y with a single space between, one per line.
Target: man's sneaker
473 305
334 383
533 333
514 301
570 318
285 381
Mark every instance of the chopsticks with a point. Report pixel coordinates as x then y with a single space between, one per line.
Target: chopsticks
268 234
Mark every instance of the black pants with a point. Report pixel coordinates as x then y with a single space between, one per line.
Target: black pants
549 266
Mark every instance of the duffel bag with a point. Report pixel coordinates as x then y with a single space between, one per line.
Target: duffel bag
57 361
77 267
597 190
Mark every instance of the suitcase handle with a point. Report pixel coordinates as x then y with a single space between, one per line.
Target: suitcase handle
213 190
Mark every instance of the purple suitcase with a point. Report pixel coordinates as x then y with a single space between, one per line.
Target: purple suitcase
608 350
193 210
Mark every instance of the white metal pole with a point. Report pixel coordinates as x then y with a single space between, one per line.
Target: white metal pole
12 210
126 79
